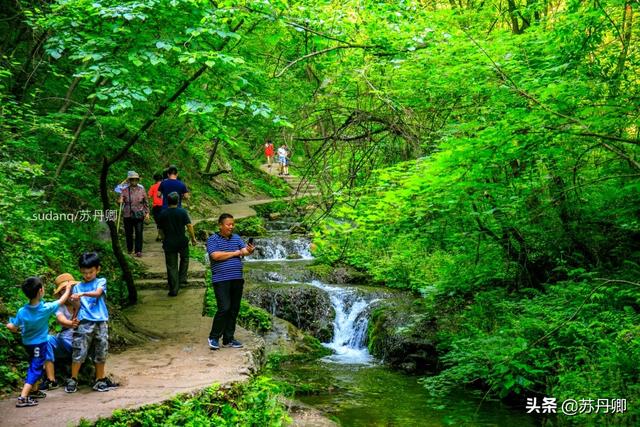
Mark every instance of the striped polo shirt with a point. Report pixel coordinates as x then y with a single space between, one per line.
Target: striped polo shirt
228 269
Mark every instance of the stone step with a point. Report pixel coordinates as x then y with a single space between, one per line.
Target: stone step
162 283
304 186
160 272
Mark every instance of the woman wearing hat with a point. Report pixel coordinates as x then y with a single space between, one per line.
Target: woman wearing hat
135 211
60 346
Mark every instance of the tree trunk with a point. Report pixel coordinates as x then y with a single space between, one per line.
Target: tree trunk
113 232
107 163
627 22
67 97
216 141
79 129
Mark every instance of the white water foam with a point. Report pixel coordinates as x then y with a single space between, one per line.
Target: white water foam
281 249
349 326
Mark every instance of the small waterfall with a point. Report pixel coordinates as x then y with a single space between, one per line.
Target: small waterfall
350 325
279 248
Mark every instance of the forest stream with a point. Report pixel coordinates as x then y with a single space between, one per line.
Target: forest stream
350 385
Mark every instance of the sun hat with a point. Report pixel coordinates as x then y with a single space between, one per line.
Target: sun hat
63 280
132 175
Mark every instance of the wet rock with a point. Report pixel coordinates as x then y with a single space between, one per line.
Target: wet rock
340 275
273 216
403 334
205 228
305 306
280 272
285 339
298 229
203 234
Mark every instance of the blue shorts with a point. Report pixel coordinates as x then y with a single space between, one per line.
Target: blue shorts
37 354
58 348
282 159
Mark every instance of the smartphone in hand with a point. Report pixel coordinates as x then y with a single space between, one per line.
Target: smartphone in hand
250 241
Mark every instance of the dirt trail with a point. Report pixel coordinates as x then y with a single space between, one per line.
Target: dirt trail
179 361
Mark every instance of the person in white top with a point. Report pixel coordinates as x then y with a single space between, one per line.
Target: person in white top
283 160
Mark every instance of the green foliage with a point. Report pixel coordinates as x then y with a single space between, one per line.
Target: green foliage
250 317
251 226
272 187
254 403
482 154
524 183
510 345
265 209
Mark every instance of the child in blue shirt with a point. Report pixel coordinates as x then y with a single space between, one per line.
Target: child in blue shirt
33 322
93 328
60 345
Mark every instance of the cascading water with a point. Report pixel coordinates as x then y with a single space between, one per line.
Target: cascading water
358 391
280 248
349 326
351 308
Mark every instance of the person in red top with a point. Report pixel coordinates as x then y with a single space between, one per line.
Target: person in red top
156 197
268 151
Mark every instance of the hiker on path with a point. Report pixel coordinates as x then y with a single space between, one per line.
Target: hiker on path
32 321
225 250
93 330
283 159
171 184
135 211
156 201
59 346
172 222
268 151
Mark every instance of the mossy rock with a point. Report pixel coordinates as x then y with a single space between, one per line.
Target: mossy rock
204 229
284 339
403 333
298 229
202 234
340 275
266 209
305 306
252 226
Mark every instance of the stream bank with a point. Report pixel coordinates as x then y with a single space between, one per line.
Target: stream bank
351 384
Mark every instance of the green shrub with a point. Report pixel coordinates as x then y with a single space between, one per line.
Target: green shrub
255 403
251 226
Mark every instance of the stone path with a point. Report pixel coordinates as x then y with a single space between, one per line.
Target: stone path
177 361
301 186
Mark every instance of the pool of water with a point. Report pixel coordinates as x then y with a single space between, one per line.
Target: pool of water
373 395
365 393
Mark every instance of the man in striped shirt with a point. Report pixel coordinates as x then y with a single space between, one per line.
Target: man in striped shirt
225 250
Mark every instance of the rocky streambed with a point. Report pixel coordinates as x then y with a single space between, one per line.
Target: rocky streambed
375 341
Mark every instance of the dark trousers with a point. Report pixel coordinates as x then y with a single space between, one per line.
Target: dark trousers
177 275
132 225
228 296
155 213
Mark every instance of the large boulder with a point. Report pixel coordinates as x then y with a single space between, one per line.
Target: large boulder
305 306
285 339
340 275
403 334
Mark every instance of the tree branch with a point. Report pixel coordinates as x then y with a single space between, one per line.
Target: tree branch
320 52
